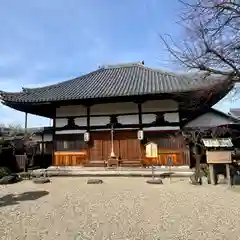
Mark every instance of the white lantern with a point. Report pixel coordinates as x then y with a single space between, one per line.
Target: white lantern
86 136
140 134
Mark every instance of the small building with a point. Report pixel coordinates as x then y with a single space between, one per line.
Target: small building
219 153
119 109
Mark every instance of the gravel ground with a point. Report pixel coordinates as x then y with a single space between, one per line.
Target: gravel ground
121 208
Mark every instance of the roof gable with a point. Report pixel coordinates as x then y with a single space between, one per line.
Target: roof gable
235 112
212 118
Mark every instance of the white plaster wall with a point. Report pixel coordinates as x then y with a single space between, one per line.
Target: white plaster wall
96 121
165 128
128 119
171 117
208 120
73 110
160 105
70 131
148 118
114 108
61 122
47 137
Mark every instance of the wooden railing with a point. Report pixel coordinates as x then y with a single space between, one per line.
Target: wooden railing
69 158
178 157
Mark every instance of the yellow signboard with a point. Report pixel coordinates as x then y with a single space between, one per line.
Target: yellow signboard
151 150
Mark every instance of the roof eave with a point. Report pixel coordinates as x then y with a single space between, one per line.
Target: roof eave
47 112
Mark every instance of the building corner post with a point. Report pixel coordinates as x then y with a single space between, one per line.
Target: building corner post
89 131
26 124
53 138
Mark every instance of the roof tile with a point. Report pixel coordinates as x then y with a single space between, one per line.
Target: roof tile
113 81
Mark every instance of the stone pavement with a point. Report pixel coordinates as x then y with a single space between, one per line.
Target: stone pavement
125 172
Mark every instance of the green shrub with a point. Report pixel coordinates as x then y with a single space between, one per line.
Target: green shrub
4 172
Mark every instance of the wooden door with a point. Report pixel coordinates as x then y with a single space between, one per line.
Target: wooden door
125 143
99 145
129 145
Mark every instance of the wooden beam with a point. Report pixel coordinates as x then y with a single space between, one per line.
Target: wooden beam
88 130
42 148
140 115
88 118
121 126
26 124
119 114
181 122
53 140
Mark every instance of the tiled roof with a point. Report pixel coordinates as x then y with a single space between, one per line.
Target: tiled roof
114 81
235 112
217 142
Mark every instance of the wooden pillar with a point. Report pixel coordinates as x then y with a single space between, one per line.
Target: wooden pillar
228 175
181 121
42 144
88 130
140 127
140 115
88 118
26 124
53 140
25 136
212 174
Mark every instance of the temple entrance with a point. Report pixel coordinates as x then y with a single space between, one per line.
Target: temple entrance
125 146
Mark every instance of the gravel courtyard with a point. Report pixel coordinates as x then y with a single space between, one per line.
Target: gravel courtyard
120 208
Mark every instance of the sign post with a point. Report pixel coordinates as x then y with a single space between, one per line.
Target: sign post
169 166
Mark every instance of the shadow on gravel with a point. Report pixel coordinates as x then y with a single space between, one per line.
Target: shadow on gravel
12 199
235 189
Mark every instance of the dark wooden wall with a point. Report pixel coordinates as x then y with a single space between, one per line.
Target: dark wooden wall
70 142
169 145
126 146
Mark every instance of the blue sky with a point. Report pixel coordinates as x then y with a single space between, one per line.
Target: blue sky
44 42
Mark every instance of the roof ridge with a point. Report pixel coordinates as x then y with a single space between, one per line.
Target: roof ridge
141 64
165 72
122 65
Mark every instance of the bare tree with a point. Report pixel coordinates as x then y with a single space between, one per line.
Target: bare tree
13 129
211 41
210 44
